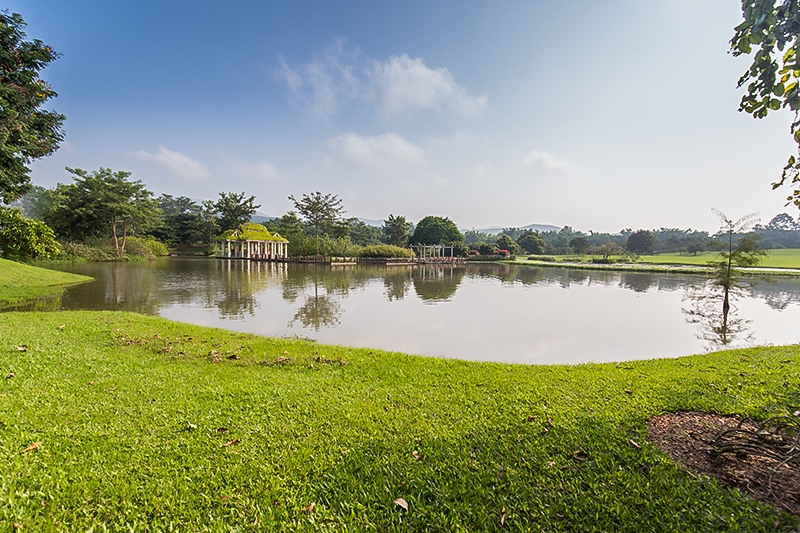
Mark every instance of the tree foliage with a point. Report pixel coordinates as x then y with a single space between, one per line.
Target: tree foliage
397 230
102 203
23 238
27 132
744 252
641 242
532 243
580 244
436 230
184 221
234 209
770 32
319 209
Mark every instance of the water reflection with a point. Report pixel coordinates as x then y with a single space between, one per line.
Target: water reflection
502 312
719 326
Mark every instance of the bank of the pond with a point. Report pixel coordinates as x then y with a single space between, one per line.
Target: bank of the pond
20 282
118 421
654 268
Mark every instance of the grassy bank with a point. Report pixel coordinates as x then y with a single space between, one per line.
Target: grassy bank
788 258
19 282
150 425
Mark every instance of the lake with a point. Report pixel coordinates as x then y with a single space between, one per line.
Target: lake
486 312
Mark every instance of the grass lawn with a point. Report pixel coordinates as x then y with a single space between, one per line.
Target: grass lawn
20 282
121 422
788 258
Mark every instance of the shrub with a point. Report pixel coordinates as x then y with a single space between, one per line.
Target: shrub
384 250
147 247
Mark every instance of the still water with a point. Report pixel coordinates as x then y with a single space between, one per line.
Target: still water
486 312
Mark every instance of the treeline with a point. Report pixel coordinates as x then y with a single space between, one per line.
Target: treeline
781 232
104 215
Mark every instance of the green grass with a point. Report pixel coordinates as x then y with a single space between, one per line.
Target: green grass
20 282
110 397
788 258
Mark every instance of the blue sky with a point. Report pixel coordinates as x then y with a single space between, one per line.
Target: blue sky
600 115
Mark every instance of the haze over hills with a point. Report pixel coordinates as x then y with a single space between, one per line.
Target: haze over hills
494 230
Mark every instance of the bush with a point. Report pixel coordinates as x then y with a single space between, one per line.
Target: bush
493 257
72 251
147 247
384 250
603 260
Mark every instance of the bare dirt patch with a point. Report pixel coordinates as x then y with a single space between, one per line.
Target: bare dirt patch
685 437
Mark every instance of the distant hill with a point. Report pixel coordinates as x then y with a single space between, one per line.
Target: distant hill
494 230
258 218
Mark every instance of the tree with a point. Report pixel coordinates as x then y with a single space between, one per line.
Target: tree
772 29
532 243
641 242
580 244
505 242
319 209
234 209
745 253
102 202
436 230
396 230
22 238
26 131
182 221
783 222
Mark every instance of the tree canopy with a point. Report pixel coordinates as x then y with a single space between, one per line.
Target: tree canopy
22 238
234 209
396 230
319 209
770 29
98 203
27 132
436 230
641 242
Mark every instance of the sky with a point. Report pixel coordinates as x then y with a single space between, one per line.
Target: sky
598 115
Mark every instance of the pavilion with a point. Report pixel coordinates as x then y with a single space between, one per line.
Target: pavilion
251 241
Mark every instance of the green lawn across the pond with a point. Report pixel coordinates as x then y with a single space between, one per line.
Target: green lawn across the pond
122 422
20 282
786 258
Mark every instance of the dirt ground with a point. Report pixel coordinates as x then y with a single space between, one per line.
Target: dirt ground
683 437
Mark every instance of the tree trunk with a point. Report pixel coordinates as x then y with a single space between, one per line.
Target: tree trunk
114 232
124 235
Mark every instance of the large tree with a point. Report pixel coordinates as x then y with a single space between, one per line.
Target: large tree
319 209
102 202
396 230
27 132
436 230
641 242
771 29
234 209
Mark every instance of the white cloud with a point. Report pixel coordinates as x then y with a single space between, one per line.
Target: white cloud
482 169
398 86
408 85
383 151
177 163
543 163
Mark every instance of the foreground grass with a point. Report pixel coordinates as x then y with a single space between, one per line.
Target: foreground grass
150 425
19 282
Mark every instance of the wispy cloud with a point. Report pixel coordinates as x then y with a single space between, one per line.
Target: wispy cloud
177 163
543 163
398 86
384 151
408 85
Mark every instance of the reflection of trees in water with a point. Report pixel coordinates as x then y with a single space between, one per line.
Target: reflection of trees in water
318 311
397 281
637 281
435 283
719 325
